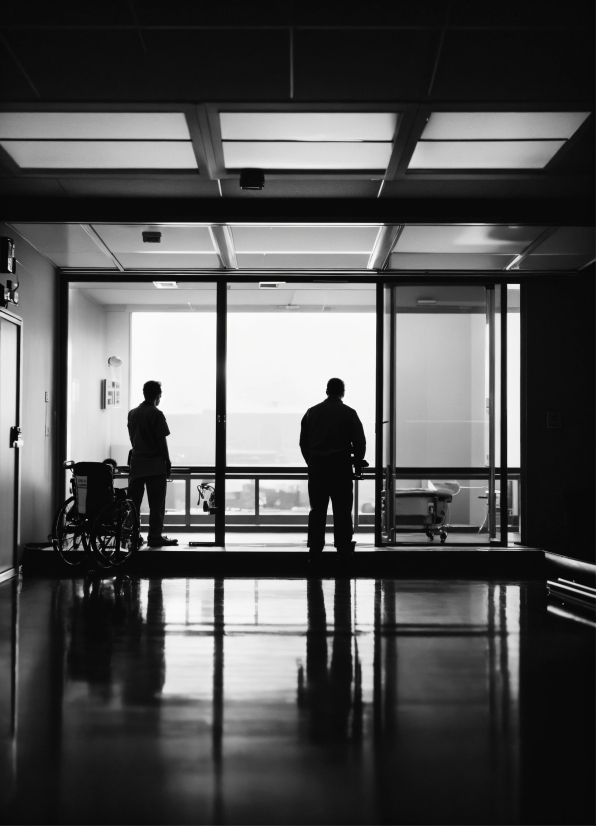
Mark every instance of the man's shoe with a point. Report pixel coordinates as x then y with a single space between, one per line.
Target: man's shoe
161 542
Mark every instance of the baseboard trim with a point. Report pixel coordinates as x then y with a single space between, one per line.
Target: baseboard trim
9 574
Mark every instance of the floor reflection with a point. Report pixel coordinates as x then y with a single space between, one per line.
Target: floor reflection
290 701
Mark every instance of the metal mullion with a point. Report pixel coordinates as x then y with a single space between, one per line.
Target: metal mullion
503 475
490 306
257 514
187 499
379 414
220 413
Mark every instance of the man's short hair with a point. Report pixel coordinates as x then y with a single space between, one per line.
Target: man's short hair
335 387
151 390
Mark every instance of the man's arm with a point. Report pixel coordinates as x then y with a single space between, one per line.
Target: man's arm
304 440
162 446
358 440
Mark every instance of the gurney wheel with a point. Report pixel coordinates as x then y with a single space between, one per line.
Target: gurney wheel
430 535
443 537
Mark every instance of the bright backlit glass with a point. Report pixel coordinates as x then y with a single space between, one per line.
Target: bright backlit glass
101 154
303 155
308 126
449 126
94 125
288 240
484 154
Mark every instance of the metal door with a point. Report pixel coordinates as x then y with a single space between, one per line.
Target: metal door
10 439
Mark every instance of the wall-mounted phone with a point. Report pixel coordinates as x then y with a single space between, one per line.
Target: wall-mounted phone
8 265
110 394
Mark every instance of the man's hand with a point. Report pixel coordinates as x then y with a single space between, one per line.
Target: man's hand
168 468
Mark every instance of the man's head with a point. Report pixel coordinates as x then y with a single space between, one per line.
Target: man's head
152 391
336 387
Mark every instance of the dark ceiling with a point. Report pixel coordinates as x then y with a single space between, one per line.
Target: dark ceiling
466 54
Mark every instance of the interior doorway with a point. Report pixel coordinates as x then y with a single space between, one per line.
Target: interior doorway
450 403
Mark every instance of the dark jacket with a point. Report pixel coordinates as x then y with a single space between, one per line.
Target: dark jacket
332 427
147 429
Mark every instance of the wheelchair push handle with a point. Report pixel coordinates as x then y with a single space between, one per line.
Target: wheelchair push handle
358 468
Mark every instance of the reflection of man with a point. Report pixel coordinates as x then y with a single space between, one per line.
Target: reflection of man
330 432
150 461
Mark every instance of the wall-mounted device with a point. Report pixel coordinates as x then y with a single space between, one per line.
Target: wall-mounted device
115 361
110 394
8 265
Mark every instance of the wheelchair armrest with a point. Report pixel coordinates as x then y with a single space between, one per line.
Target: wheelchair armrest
68 464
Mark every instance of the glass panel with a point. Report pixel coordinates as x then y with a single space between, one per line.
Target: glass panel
502 125
513 376
471 238
240 496
287 155
290 240
441 376
102 154
484 154
366 502
99 125
283 498
279 363
307 126
458 507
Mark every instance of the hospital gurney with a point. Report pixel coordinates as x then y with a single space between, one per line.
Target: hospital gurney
425 509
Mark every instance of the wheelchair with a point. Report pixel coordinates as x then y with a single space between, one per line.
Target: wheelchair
98 523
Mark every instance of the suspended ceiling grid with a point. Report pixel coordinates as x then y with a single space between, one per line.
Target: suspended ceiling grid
120 248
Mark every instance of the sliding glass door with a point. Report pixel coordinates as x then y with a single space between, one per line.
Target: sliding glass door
443 369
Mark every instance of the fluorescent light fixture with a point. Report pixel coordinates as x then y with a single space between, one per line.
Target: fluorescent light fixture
278 262
303 155
425 301
473 238
270 285
101 154
308 126
484 154
94 126
465 126
513 286
166 285
292 240
291 307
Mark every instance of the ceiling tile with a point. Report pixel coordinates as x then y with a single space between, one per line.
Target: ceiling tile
484 154
520 65
60 238
222 13
15 86
169 261
534 13
308 126
408 261
68 13
303 155
83 260
564 263
502 125
447 238
362 65
368 13
94 125
285 240
298 261
31 187
569 241
148 186
129 238
297 188
101 154
218 66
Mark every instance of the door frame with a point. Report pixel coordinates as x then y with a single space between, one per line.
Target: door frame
6 315
496 470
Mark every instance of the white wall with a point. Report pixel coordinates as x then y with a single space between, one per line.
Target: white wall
118 344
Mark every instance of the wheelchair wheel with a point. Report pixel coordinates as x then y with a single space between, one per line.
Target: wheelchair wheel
115 534
68 534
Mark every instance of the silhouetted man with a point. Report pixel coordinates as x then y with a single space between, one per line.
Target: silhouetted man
330 432
150 463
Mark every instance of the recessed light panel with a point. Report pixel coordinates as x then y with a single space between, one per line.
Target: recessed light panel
308 126
301 262
289 240
435 261
101 154
169 261
484 154
453 238
303 155
569 241
94 126
450 126
129 238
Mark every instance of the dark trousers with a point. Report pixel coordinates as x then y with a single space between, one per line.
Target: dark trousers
156 494
330 477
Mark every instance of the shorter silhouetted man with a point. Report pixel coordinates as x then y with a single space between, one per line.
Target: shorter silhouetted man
150 463
330 433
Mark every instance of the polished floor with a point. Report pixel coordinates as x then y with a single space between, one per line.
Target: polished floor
293 701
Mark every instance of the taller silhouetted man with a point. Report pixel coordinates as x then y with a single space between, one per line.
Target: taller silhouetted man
150 463
329 434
